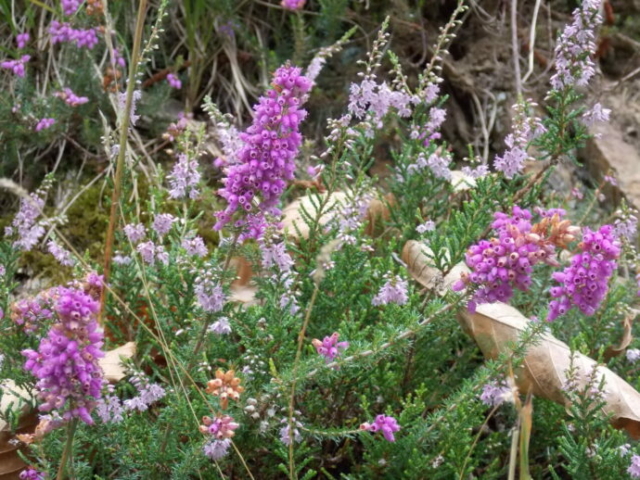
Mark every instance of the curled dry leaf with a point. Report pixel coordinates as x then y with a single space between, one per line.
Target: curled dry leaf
293 220
496 327
111 363
418 257
18 400
613 351
461 181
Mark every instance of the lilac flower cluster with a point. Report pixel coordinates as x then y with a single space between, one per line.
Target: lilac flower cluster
64 32
209 294
585 281
195 246
574 66
148 393
596 114
216 449
525 129
431 130
16 66
109 408
150 253
25 223
30 313
385 424
634 468
184 178
393 291
288 434
60 254
220 326
266 160
507 261
626 227
436 162
175 129
162 223
494 394
22 39
66 363
71 98
329 347
428 226
174 81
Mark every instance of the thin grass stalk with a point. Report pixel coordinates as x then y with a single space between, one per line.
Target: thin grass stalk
68 450
124 131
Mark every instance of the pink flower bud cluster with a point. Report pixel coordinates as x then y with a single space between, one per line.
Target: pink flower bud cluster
16 66
25 224
64 32
393 291
71 98
500 264
29 313
329 347
174 81
220 427
585 281
266 160
69 7
45 123
22 39
66 363
32 474
387 425
293 4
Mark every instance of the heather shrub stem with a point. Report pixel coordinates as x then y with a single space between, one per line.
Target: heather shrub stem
67 454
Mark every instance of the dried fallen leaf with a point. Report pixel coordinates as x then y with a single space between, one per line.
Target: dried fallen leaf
111 363
417 256
496 327
293 219
461 181
627 336
18 400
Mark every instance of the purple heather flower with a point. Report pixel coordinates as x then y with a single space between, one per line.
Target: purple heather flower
122 104
479 172
209 294
293 4
22 39
195 246
63 32
147 251
285 432
505 262
266 161
120 259
393 291
220 326
45 123
329 347
274 254
584 283
162 223
219 427
16 66
31 312
109 408
118 59
436 163
135 232
633 354
431 130
71 98
66 363
494 394
25 222
216 449
525 129
596 114
69 7
626 228
576 45
174 81
634 468
184 178
60 254
32 474
428 226
387 425
148 393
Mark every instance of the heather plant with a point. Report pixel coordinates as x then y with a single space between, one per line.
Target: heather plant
279 330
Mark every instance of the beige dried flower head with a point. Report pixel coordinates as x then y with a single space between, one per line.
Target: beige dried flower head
226 386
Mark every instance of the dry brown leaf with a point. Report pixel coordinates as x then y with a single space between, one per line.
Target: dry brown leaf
111 363
461 181
497 326
293 221
417 257
627 336
244 294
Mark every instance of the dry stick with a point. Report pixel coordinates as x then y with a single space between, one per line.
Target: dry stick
124 130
